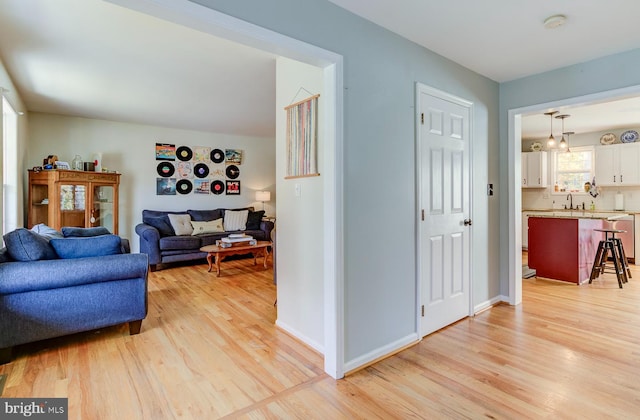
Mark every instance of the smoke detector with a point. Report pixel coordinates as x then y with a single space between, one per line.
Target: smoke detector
554 21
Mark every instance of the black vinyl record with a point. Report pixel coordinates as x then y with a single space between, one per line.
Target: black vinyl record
201 170
217 187
216 156
165 169
184 153
184 186
232 172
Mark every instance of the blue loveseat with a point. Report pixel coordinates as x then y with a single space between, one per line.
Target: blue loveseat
159 240
51 287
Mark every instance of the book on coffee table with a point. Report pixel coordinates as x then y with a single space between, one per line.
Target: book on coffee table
233 239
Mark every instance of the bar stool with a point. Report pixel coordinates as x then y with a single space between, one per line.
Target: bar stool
614 245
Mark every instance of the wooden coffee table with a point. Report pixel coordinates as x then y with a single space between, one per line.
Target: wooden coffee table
218 252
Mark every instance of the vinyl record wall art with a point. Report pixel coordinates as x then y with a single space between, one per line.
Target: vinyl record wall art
184 170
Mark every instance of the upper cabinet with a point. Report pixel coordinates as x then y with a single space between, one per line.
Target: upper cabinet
534 170
617 165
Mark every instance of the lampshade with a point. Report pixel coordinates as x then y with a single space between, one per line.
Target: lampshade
263 196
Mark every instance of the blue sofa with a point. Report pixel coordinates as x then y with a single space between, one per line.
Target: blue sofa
57 286
159 241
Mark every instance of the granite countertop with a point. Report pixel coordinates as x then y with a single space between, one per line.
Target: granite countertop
579 214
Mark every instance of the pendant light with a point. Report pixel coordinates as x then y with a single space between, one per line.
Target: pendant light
552 141
563 142
568 133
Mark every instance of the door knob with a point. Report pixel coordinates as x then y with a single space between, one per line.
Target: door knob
467 222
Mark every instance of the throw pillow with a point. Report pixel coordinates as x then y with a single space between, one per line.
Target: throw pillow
253 220
87 246
205 215
71 231
181 224
212 226
235 220
24 245
161 223
46 231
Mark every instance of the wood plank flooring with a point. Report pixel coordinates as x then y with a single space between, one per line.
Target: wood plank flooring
209 349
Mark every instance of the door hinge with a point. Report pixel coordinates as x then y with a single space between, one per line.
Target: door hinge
423 215
422 310
422 118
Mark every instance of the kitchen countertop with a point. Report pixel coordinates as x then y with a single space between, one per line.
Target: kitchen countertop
578 214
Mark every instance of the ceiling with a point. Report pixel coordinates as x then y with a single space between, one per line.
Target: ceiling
94 59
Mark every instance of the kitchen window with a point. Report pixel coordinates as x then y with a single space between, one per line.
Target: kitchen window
572 170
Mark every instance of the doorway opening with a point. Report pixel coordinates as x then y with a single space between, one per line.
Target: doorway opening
514 147
218 24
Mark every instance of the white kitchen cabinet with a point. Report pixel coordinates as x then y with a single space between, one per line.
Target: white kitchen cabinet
617 165
534 170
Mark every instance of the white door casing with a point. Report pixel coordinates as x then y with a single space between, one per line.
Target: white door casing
444 218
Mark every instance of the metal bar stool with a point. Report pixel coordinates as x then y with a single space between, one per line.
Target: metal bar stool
614 245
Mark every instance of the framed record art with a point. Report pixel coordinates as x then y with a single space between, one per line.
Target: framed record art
165 151
186 170
233 187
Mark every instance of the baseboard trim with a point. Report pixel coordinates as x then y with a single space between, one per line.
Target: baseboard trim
301 337
489 303
380 353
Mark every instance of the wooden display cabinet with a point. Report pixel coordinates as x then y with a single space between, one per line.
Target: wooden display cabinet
61 198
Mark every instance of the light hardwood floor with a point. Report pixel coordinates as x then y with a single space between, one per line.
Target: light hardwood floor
209 349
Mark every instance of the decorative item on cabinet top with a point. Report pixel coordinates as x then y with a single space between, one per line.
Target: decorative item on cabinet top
629 136
608 138
536 147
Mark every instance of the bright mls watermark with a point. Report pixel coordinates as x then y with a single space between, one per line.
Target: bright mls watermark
34 408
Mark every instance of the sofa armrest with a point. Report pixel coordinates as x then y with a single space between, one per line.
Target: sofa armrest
267 226
149 242
20 277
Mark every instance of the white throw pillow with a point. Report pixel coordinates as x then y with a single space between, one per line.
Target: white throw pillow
181 224
235 220
212 226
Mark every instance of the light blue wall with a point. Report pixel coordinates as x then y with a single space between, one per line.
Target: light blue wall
601 75
380 72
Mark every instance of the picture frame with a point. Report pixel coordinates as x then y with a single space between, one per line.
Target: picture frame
233 187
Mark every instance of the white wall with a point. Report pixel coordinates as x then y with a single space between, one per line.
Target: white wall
299 218
130 150
380 72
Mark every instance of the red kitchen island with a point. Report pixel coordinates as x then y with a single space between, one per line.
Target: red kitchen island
563 248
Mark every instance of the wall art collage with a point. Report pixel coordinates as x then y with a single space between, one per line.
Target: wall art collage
197 170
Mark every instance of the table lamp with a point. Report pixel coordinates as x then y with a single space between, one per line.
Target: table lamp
263 196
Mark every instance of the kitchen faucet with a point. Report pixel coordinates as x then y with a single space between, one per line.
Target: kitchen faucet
570 197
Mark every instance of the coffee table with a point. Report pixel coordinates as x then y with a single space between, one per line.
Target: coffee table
218 252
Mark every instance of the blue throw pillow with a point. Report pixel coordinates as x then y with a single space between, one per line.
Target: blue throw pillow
70 231
46 231
24 245
88 246
253 220
161 223
205 215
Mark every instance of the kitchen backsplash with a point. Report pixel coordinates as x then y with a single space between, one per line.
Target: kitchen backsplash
545 199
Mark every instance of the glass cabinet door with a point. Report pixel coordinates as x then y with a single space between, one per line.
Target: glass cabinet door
72 205
102 212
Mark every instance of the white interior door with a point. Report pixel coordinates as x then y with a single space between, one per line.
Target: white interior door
445 222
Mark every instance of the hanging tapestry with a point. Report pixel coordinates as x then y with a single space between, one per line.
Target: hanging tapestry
302 138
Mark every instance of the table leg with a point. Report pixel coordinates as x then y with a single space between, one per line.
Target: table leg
218 258
265 254
209 255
